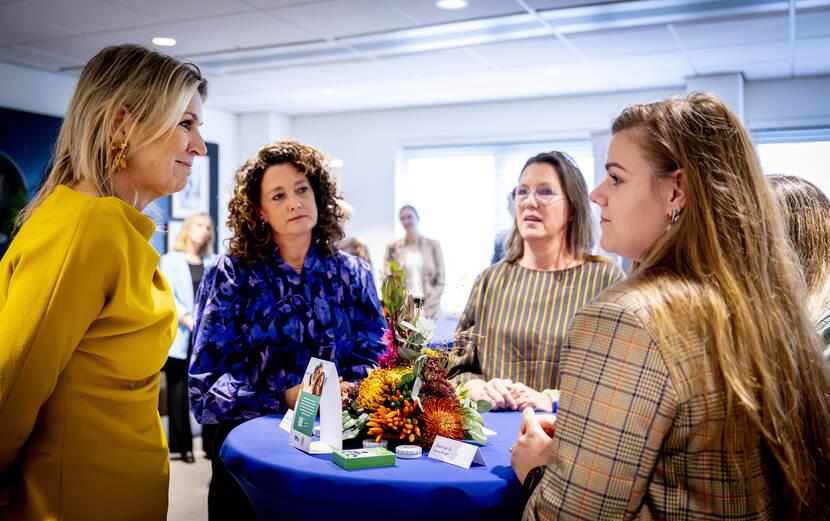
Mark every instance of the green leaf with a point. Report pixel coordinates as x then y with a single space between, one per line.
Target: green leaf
473 418
425 328
476 434
416 388
483 406
405 379
419 364
407 325
356 424
407 353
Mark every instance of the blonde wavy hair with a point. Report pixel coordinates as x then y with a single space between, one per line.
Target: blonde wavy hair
725 272
155 89
181 239
806 212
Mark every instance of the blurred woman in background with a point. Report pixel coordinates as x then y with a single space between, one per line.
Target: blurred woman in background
422 261
806 212
183 268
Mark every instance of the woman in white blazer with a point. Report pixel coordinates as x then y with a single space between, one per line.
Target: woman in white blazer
183 267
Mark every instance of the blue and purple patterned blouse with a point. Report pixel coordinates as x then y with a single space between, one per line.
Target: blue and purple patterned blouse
257 327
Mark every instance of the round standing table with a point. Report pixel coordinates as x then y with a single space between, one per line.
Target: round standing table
285 483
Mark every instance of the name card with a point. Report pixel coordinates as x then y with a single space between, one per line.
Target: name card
320 390
455 452
287 421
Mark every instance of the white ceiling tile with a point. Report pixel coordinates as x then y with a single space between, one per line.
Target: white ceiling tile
77 48
650 80
812 24
182 9
22 56
271 4
532 51
424 12
817 65
207 35
340 18
429 63
633 58
763 70
624 42
746 30
670 62
80 15
812 47
736 56
290 77
812 56
16 28
557 4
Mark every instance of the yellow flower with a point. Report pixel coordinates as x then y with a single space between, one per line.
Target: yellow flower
373 388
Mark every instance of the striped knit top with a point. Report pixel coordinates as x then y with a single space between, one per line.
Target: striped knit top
515 321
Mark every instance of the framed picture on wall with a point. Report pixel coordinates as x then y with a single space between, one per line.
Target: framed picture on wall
173 229
195 198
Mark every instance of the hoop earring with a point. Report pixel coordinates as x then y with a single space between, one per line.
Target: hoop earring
673 216
118 156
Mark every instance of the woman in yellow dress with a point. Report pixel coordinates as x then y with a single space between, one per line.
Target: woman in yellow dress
86 317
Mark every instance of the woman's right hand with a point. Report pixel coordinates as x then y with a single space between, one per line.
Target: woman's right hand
532 443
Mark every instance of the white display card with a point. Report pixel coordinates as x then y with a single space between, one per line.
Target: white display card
455 452
320 389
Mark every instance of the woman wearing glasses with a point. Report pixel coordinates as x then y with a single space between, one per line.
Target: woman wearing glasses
515 320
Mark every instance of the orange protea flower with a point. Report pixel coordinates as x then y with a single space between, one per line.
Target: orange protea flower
442 417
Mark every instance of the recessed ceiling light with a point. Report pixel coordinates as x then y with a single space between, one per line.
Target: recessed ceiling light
451 4
164 41
328 92
552 72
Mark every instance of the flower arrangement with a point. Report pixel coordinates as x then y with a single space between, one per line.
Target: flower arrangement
407 397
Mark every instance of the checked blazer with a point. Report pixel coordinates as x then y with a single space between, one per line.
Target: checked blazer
640 429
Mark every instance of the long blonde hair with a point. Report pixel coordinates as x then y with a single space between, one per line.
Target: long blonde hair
725 272
806 213
181 238
155 89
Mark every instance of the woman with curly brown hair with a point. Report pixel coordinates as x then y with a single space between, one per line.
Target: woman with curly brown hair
281 295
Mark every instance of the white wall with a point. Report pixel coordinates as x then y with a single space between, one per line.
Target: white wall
802 102
222 128
35 91
368 142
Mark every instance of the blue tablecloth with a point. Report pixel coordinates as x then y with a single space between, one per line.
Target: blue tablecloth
285 483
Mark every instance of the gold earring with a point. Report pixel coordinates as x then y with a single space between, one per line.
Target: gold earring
118 157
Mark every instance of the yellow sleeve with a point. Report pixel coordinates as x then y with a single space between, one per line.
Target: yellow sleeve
53 282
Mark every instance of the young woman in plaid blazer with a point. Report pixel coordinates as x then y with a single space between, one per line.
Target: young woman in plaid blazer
697 388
